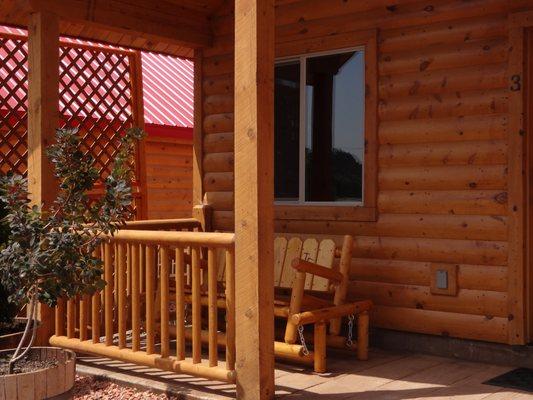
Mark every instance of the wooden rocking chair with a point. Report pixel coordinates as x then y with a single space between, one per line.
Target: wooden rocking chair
317 287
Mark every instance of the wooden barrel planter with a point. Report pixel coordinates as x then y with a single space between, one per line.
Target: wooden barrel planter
46 383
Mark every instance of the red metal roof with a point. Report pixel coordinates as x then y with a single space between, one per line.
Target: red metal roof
167 85
168 90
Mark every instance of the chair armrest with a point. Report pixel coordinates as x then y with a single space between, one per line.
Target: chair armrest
315 269
326 314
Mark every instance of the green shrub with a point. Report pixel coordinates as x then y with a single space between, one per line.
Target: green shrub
49 253
8 310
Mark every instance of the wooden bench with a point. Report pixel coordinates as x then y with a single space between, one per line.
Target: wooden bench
310 290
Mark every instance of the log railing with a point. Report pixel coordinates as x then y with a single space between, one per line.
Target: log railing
178 224
146 271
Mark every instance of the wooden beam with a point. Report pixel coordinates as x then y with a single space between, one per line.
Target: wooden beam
254 197
162 20
43 103
198 138
520 155
137 106
516 186
43 119
529 183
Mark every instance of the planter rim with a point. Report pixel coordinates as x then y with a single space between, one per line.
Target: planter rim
70 354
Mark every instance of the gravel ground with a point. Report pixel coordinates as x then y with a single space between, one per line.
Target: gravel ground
25 365
93 388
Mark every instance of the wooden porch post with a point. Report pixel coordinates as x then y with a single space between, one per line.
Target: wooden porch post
198 137
137 102
43 119
254 186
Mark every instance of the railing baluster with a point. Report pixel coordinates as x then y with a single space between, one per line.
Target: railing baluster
121 278
180 304
212 308
60 318
128 271
71 318
230 309
135 299
108 293
84 316
142 269
102 292
95 317
188 270
115 275
150 269
164 275
95 305
196 307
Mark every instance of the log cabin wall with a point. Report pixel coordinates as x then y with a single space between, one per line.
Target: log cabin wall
443 157
168 177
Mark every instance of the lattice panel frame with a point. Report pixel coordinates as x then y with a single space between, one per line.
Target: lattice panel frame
13 104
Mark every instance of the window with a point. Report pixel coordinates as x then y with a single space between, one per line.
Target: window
320 129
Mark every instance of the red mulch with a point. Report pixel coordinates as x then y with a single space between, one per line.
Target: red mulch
92 388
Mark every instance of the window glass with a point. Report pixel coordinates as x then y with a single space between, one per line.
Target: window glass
287 131
334 147
332 136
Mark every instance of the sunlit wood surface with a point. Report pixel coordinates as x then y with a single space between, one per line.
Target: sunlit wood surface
396 376
387 375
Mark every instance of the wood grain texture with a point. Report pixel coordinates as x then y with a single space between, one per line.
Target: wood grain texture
43 119
43 98
137 100
516 167
197 151
254 197
446 131
169 177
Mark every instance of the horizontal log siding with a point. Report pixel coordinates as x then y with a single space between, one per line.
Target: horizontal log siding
217 122
169 177
442 198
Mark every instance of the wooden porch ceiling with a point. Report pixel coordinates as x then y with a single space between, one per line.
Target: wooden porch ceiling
207 6
174 27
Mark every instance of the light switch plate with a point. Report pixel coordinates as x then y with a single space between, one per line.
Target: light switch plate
441 279
444 279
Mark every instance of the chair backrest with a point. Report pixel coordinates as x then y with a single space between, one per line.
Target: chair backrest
321 252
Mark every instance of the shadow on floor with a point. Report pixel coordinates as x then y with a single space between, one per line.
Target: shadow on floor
386 375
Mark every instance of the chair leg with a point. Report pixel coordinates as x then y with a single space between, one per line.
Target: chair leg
362 335
320 347
295 306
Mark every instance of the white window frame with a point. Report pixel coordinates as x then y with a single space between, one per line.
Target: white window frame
302 59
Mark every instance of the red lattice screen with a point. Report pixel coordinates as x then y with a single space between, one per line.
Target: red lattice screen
13 104
97 94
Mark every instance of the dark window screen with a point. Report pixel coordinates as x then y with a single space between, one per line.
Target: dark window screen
287 131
